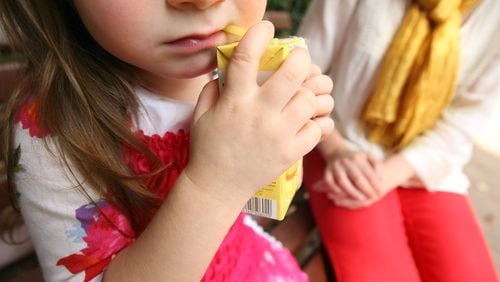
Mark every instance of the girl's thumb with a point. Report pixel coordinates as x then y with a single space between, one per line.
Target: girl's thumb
208 97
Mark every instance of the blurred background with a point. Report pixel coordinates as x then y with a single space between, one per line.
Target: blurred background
18 263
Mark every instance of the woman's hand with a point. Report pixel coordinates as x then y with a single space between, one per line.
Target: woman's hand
393 172
352 175
245 136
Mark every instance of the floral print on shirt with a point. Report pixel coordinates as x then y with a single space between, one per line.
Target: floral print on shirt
105 230
29 118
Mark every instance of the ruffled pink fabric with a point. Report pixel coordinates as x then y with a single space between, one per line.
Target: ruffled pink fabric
245 254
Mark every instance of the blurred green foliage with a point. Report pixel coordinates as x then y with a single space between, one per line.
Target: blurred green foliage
296 9
9 57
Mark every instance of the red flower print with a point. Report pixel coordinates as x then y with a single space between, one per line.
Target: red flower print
29 117
107 231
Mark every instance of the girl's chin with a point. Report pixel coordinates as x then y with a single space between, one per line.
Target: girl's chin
196 65
196 71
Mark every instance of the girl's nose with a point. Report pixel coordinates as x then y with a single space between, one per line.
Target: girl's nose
196 4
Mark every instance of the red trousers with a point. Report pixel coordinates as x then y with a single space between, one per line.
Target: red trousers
409 235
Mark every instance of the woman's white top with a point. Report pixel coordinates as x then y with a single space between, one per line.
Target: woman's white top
348 40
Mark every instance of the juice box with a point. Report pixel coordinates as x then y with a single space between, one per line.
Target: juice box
273 200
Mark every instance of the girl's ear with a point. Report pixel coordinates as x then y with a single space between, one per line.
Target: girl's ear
208 97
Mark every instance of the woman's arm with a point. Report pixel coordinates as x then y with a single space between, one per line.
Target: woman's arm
448 146
333 145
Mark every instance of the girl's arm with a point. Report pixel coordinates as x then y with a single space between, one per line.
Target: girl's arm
182 238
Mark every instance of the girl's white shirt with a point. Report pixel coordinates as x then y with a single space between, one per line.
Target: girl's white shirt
47 189
160 114
348 40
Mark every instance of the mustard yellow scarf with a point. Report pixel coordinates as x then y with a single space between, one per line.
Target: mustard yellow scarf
418 75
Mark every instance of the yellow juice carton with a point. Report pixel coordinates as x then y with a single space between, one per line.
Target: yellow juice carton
273 200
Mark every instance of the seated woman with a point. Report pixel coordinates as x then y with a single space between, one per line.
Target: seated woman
414 81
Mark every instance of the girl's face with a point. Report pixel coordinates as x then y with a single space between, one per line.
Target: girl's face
168 39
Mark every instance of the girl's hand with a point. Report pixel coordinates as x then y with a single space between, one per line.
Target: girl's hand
245 136
321 85
352 176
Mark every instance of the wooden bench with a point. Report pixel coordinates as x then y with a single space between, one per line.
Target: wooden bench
298 233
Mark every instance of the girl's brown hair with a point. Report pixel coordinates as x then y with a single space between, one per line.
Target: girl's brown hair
84 95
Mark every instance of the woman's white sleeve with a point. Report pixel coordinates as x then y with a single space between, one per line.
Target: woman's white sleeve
446 149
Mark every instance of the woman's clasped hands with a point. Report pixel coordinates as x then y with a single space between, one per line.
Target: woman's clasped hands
356 179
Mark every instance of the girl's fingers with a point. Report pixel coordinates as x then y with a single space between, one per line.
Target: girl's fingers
305 106
307 138
300 109
207 99
325 105
326 125
314 70
286 81
244 64
319 84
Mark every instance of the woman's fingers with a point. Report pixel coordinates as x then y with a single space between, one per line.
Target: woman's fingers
343 180
357 174
348 203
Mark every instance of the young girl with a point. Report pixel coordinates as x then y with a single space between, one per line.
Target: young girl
123 170
414 81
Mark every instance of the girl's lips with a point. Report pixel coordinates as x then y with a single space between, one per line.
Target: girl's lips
196 43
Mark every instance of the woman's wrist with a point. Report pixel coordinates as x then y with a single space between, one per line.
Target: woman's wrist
334 145
398 169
